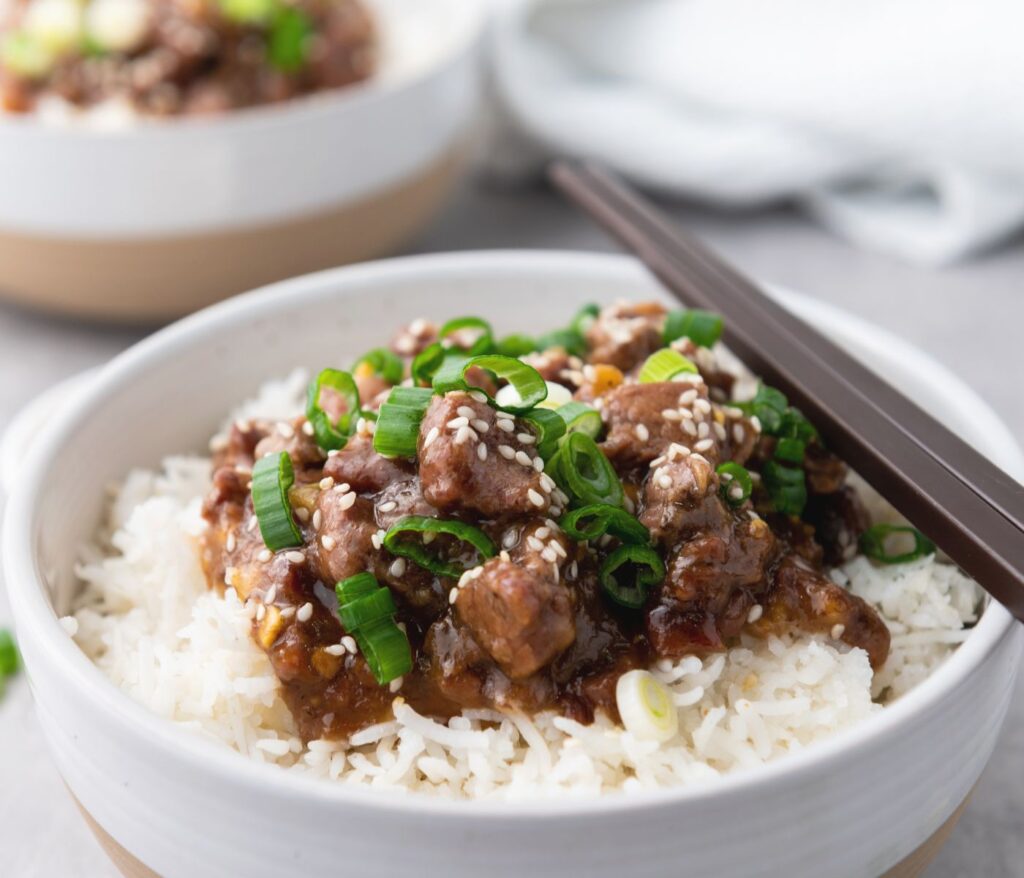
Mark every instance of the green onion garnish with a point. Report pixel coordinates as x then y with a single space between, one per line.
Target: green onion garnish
527 381
571 341
288 39
629 572
585 318
790 450
703 328
737 485
593 521
384 363
398 424
515 346
664 365
367 611
329 434
9 659
426 363
768 406
873 540
476 545
786 487
549 427
581 418
250 12
582 469
272 476
483 344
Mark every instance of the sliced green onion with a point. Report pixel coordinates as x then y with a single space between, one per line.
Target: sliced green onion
570 340
664 365
384 363
515 346
398 423
768 406
386 649
477 546
288 39
366 610
427 362
581 418
550 428
629 573
251 12
786 487
582 469
646 706
272 476
330 435
873 540
795 426
790 450
593 521
703 328
529 384
584 318
484 342
733 476
9 659
25 56
355 587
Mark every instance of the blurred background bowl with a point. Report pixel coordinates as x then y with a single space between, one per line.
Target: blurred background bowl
162 217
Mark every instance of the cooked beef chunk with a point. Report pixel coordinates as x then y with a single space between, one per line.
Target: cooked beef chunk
504 479
363 469
676 494
293 438
624 335
839 519
345 534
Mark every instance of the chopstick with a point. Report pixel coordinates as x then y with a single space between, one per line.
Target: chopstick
973 510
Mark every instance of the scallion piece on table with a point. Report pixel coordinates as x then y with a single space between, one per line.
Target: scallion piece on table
786 486
427 362
703 328
272 476
382 362
664 365
582 469
581 418
593 521
549 428
398 422
332 434
482 344
529 384
629 573
9 658
873 544
367 611
405 538
736 484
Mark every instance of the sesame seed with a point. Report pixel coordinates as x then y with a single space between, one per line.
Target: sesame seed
736 492
429 537
704 445
326 483
524 458
504 555
755 422
506 426
546 483
556 547
477 395
538 465
720 432
548 555
658 461
453 595
261 611
328 542
307 428
506 451
535 498
251 526
456 423
466 412
347 501
431 436
264 555
756 612
295 557
542 533
687 396
395 684
397 567
534 543
377 539
335 649
465 434
704 430
690 428
349 643
702 405
287 612
671 415
302 514
286 430
480 425
837 631
664 481
573 569
738 433
675 450
271 594
229 543
318 518
305 612
509 539
390 506
229 575
333 452
642 433
481 451
698 458
526 438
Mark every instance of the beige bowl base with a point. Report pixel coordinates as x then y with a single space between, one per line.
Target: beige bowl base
159 279
911 867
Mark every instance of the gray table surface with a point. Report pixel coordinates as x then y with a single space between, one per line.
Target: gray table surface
967 316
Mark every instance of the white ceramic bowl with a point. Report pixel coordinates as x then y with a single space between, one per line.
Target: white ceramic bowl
851 806
162 216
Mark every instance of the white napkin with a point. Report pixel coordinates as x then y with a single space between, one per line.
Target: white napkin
899 123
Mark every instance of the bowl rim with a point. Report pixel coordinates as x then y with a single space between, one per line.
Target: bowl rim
37 621
304 109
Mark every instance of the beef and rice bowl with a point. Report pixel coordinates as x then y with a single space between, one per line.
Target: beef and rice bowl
602 558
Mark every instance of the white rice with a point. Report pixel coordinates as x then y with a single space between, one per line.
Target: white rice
147 619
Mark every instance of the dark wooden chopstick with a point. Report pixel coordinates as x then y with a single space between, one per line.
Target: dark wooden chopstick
969 507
